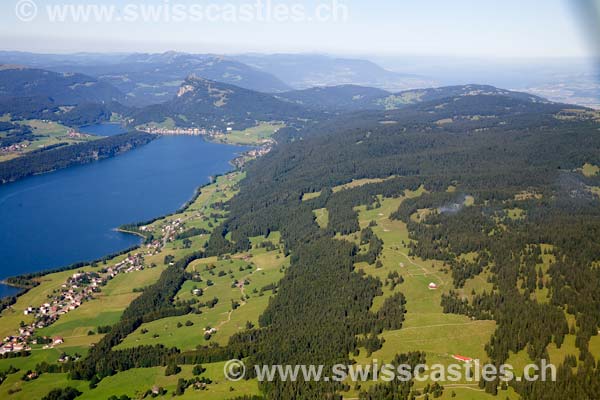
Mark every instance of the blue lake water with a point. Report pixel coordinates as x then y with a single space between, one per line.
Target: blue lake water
107 129
56 219
6 291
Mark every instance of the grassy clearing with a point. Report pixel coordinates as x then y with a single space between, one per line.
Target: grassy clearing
168 123
38 388
477 284
359 182
46 133
426 327
133 383
252 136
105 309
322 217
10 156
421 214
473 392
594 345
393 101
38 355
265 268
590 169
12 316
516 213
310 196
136 381
557 356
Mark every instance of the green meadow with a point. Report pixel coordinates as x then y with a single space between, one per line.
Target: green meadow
251 136
258 268
426 327
46 133
79 327
243 284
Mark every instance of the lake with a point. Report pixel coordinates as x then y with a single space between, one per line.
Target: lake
67 216
107 129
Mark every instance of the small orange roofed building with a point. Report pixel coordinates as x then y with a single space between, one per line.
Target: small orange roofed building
462 358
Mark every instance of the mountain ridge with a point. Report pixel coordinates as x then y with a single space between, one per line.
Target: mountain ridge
204 103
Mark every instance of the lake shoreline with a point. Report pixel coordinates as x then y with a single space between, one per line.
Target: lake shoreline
73 266
39 274
63 157
242 152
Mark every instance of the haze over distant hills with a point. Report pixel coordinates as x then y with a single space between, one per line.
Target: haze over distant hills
352 98
155 78
194 101
151 78
568 80
303 71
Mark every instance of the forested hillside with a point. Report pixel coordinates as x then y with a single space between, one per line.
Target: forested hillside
337 98
490 198
67 98
347 98
206 104
63 88
62 156
155 78
506 153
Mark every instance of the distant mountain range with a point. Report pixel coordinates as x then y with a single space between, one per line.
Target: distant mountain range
207 104
60 88
196 101
352 98
155 78
302 71
152 78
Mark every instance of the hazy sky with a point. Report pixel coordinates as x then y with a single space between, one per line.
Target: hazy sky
497 28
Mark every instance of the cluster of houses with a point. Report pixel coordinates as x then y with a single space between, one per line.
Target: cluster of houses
133 262
153 247
253 153
78 288
76 135
171 228
14 147
11 344
169 231
261 151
